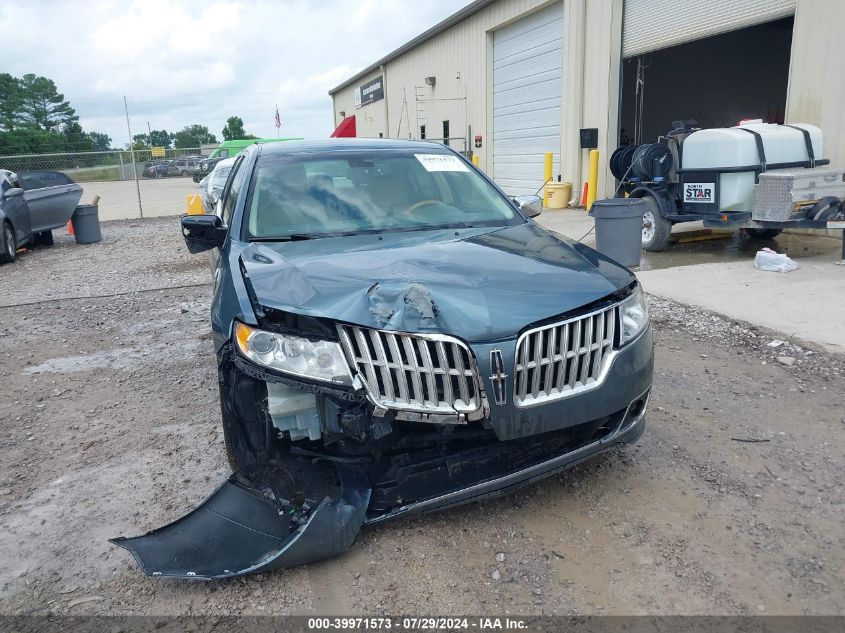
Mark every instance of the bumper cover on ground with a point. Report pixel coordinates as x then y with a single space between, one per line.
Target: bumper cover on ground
236 531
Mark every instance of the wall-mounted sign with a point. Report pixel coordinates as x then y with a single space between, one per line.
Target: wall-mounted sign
371 91
157 152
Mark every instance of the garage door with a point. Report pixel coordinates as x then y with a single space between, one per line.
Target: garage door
649 25
527 86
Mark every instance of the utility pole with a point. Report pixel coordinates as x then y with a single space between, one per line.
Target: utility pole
150 137
132 150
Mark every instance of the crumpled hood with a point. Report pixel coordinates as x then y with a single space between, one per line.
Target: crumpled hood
476 284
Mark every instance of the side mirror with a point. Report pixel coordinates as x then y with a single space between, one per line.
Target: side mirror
203 232
14 192
531 206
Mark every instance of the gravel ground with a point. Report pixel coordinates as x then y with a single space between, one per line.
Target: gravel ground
731 503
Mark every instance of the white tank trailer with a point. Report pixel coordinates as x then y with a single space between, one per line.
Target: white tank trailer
761 177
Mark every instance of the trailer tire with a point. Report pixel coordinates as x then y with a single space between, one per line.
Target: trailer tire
761 234
656 228
7 244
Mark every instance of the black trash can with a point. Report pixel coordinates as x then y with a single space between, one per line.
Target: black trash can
86 224
619 228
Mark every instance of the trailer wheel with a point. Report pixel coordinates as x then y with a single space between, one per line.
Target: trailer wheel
761 234
656 228
7 244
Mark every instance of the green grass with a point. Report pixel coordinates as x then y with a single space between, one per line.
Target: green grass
88 174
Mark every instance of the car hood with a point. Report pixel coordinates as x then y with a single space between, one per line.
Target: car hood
476 284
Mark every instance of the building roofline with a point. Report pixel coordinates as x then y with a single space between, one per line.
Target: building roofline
471 9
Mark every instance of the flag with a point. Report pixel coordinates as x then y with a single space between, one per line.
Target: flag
278 122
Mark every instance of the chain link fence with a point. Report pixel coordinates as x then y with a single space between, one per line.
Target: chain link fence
151 186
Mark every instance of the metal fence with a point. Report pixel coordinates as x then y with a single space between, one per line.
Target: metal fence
152 186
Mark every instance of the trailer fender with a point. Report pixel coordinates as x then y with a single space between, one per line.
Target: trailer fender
665 203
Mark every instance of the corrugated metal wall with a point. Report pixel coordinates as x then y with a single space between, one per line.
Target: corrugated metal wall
458 59
650 25
816 78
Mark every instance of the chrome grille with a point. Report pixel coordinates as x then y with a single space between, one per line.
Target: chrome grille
414 372
557 360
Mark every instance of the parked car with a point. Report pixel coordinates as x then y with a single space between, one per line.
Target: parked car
394 335
155 169
32 204
205 167
186 165
212 185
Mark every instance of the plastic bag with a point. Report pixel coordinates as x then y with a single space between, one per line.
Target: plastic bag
770 261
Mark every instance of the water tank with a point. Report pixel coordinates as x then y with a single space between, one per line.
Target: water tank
725 148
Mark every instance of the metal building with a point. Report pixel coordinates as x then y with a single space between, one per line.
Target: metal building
509 80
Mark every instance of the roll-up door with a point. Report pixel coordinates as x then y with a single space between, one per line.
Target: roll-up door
650 25
527 88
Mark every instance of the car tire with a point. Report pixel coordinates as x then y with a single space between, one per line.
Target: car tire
7 244
656 228
761 234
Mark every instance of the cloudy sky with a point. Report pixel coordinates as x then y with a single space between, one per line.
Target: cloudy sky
200 62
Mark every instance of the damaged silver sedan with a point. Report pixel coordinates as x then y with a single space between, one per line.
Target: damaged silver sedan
394 335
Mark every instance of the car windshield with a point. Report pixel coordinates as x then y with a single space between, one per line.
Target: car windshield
332 193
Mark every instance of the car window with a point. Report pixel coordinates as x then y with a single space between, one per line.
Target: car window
376 190
232 191
5 185
39 179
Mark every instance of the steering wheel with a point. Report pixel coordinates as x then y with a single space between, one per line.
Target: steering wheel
418 205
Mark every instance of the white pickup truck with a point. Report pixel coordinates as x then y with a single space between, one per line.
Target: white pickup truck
32 204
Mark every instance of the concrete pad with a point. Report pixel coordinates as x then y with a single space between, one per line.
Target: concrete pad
719 275
806 304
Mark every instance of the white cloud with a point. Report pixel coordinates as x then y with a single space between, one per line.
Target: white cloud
193 61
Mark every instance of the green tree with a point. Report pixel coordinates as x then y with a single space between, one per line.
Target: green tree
99 141
42 105
161 138
234 128
76 140
10 102
31 141
193 136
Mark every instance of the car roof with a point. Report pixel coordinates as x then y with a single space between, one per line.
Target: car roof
347 144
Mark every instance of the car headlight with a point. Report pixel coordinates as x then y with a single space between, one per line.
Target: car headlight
317 360
633 316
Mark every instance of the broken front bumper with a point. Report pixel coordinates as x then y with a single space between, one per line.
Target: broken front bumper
241 530
295 499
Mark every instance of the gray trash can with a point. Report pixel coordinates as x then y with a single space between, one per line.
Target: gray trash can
619 228
86 224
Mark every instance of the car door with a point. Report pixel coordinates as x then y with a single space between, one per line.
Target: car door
15 209
225 206
52 198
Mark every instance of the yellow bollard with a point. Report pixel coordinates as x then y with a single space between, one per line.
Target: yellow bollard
476 160
547 167
194 204
592 178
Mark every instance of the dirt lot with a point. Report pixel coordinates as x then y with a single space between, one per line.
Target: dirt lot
732 502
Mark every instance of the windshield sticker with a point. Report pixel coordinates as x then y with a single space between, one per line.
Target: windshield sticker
441 162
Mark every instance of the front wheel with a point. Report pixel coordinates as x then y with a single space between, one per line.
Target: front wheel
656 228
761 234
7 247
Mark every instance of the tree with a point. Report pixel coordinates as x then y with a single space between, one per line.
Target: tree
234 128
10 102
193 136
42 106
99 141
75 138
